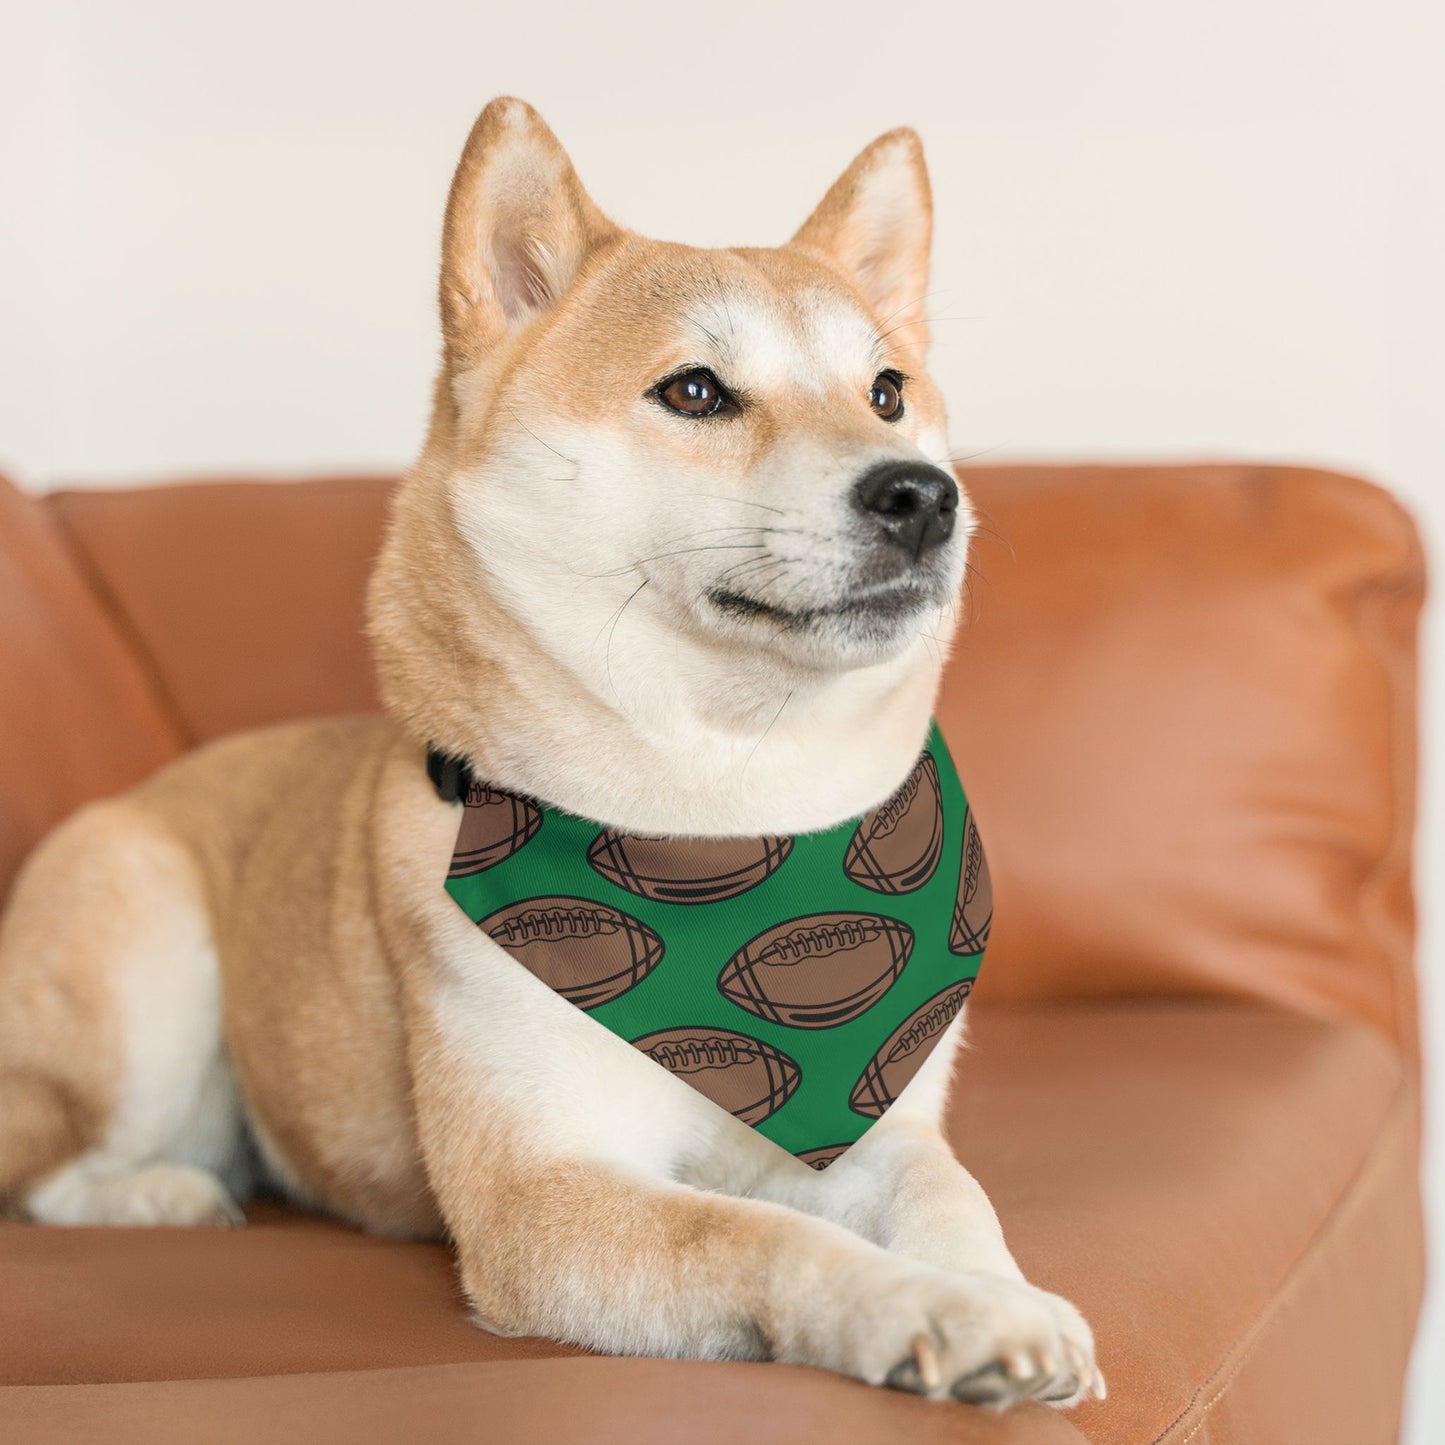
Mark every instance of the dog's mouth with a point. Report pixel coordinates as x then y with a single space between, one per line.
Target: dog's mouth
878 605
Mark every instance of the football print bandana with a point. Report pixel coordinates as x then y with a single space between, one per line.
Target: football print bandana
798 982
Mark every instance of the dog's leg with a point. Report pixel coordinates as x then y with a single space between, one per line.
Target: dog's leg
586 1252
555 1149
116 1103
901 1187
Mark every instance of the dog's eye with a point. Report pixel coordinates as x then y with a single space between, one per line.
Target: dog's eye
694 393
886 397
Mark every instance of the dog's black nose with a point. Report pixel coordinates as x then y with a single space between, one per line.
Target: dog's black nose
915 504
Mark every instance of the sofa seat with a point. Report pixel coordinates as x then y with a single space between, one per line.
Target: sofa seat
1196 1176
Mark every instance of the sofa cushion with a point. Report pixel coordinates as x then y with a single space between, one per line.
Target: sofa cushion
1183 1172
1184 708
247 595
79 716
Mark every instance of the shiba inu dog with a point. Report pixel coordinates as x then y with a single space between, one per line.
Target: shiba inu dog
676 555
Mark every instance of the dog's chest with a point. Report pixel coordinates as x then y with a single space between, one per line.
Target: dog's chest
798 982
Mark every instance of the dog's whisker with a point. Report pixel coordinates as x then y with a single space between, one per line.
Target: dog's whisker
903 326
992 533
611 617
888 349
742 502
881 336
970 572
571 461
616 619
760 579
690 551
763 580
736 569
917 301
747 528
967 456
739 568
766 731
785 602
917 321
988 532
658 556
929 320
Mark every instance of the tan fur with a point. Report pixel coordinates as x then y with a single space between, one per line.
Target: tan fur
256 942
54 1095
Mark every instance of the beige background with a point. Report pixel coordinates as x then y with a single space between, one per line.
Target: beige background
1164 228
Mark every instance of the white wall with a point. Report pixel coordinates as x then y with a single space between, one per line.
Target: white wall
1164 228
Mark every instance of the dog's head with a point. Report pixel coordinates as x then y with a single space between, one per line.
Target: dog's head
737 454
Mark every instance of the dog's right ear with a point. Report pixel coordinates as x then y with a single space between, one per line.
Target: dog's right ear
518 228
877 223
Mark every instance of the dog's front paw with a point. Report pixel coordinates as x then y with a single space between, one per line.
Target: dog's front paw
982 1338
1078 1344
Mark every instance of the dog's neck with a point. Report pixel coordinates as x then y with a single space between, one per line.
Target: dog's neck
705 743
713 752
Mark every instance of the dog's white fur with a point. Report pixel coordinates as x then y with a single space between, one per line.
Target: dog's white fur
253 953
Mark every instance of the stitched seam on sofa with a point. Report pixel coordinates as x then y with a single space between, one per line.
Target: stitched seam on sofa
1239 1352
125 624
1399 582
1376 602
1399 579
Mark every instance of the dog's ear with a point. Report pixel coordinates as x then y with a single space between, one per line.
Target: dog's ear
877 223
518 228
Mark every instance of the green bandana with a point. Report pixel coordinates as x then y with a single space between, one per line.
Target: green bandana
798 982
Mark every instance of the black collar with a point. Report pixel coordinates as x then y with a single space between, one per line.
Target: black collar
450 774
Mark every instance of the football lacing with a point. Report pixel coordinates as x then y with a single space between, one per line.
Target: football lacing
552 923
480 794
926 1025
890 813
972 862
714 1052
805 943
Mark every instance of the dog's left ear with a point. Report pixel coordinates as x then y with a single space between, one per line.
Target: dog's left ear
877 223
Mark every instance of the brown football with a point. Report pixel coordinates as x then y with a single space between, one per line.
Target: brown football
495 824
819 971
588 952
904 1051
896 847
821 1158
743 1075
973 908
686 870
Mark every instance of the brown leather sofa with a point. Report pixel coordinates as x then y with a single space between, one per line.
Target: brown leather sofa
1185 709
